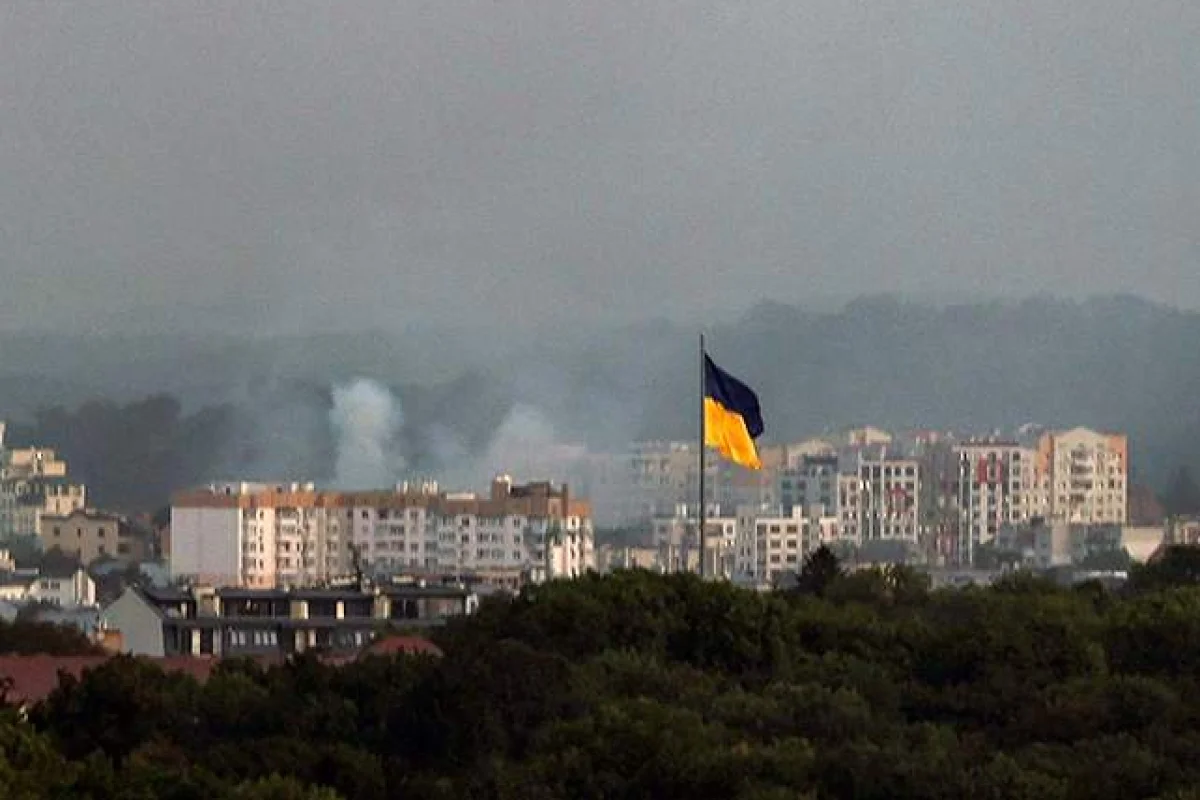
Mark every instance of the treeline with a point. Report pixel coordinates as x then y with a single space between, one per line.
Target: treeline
866 685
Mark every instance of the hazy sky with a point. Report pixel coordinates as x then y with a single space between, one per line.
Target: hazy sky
453 160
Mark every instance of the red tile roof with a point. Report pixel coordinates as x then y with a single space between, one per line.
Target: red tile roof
409 645
33 678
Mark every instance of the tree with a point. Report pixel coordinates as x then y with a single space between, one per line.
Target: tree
821 569
1177 565
1115 560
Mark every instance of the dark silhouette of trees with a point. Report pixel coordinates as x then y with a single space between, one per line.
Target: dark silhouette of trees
821 569
867 684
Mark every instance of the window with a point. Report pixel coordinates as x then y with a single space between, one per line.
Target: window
100 532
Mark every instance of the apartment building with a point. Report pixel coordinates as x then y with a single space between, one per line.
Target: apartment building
654 478
998 484
1086 475
265 536
33 482
237 622
677 545
772 543
810 480
89 535
888 499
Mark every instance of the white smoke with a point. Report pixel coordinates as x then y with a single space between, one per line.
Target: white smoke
525 446
365 419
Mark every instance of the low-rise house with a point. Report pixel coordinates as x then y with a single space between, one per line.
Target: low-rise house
61 588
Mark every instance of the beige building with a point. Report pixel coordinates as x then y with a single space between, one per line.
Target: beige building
771 544
88 535
264 535
33 482
1086 475
33 462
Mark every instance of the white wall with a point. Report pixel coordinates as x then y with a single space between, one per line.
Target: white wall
141 628
206 543
66 591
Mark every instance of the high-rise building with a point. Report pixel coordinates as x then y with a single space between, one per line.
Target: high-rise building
264 535
889 499
999 484
1086 474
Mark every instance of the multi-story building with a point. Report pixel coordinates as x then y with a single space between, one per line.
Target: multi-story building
1086 475
262 535
88 535
889 499
772 543
678 548
33 482
998 484
656 478
234 622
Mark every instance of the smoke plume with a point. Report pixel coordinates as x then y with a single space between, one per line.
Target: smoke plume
365 419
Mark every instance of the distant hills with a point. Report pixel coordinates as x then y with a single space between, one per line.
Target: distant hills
1116 363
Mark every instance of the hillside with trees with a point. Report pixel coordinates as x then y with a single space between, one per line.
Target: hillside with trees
863 685
137 418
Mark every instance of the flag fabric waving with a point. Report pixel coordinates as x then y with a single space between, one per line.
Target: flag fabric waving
732 420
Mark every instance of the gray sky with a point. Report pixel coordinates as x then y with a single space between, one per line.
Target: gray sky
489 161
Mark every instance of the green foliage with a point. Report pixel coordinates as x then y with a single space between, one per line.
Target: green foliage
865 684
27 637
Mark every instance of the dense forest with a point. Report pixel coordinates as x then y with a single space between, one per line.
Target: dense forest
861 685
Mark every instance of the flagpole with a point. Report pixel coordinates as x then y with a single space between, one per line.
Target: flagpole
703 372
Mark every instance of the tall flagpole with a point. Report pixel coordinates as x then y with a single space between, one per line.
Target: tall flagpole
703 372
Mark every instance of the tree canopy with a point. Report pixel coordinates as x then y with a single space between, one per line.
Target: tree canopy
862 683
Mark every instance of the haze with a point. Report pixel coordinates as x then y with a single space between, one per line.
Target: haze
273 166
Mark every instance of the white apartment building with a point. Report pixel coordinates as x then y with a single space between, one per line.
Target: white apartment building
771 543
1087 475
998 484
265 536
889 499
677 545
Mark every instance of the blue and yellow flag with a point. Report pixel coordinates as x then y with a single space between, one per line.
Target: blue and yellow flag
732 420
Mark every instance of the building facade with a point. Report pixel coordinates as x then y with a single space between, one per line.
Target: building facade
33 482
265 536
236 622
998 484
1087 475
89 535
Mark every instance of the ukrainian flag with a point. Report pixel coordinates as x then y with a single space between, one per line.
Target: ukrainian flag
732 420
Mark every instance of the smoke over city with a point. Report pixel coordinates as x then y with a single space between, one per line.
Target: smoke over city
365 418
358 411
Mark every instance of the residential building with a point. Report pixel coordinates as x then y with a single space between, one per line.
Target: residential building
1086 474
810 480
889 499
63 588
678 546
268 536
233 621
89 534
33 481
998 484
771 543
